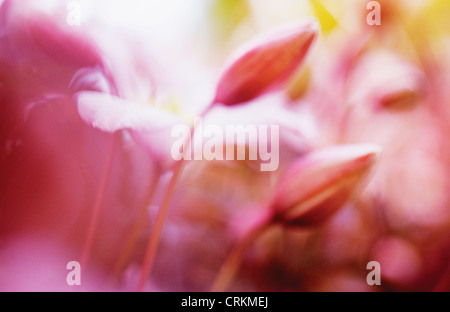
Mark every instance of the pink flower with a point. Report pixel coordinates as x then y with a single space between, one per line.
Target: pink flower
86 171
266 63
150 126
51 161
319 183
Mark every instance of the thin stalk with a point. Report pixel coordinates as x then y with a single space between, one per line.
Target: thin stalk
99 202
233 262
132 238
155 236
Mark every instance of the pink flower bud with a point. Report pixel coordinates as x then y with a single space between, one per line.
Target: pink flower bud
266 64
318 184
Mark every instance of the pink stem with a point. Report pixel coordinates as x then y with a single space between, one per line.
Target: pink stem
98 202
232 263
132 238
155 236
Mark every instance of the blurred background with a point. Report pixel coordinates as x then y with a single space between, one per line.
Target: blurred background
380 84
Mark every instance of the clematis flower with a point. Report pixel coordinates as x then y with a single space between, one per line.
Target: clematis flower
52 166
85 126
149 126
33 105
266 63
284 49
318 184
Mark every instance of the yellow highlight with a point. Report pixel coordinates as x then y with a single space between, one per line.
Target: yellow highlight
227 15
326 19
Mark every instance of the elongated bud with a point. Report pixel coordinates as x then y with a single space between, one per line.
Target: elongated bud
318 184
266 64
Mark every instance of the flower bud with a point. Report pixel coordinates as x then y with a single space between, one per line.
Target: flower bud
266 64
318 184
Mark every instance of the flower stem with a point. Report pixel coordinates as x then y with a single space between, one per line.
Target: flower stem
232 263
132 238
155 235
98 202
